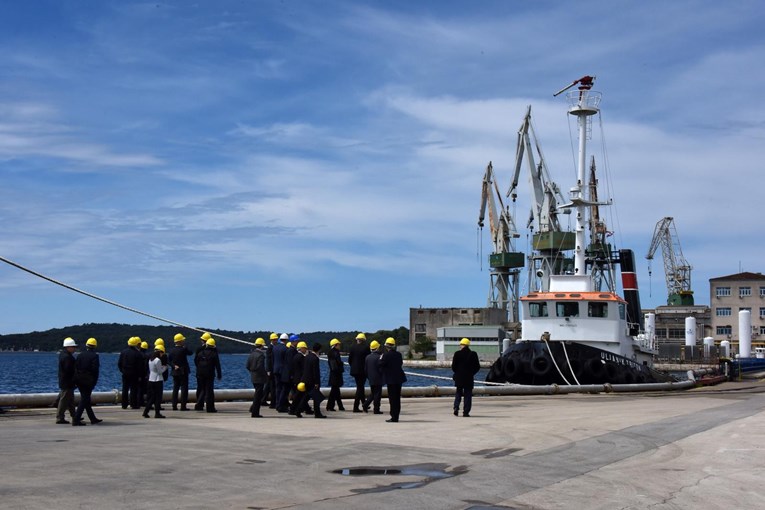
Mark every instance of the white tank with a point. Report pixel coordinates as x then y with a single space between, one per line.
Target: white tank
725 349
745 334
650 328
690 331
709 345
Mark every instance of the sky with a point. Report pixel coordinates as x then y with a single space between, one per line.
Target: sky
317 165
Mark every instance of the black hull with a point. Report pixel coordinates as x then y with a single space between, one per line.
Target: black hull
532 363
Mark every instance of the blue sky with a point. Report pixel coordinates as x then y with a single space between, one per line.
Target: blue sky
302 166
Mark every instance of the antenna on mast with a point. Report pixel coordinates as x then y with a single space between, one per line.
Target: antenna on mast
585 83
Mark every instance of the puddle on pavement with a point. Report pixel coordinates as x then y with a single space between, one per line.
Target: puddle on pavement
427 473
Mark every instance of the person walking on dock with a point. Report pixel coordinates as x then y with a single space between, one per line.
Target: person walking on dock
179 362
310 383
66 371
208 365
87 367
156 382
465 365
200 393
296 370
269 391
131 366
357 356
256 365
335 381
375 377
391 364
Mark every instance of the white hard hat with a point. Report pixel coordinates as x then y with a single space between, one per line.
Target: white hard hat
284 336
68 342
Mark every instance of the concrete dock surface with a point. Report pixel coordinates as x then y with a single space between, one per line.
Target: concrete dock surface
702 448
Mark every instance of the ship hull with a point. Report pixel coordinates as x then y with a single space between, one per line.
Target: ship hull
533 363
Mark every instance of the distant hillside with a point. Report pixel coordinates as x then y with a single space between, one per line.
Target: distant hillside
113 337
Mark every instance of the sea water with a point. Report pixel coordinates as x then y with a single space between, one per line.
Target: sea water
37 372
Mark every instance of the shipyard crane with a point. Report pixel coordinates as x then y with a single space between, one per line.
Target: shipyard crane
548 239
677 271
504 261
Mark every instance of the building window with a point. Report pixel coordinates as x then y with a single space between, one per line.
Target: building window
762 330
675 333
567 309
744 291
762 291
538 309
722 291
762 311
597 309
419 328
724 330
722 312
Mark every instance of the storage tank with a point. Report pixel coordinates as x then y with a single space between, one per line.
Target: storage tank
650 328
690 331
709 346
725 349
744 334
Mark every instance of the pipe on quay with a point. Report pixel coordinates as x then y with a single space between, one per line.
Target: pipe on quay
114 396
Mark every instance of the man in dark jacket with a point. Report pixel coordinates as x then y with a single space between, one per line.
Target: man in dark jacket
208 365
87 367
131 366
199 405
282 388
311 380
391 364
336 369
179 365
375 377
296 371
256 365
269 390
464 365
66 371
357 356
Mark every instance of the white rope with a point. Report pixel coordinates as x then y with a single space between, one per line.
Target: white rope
444 378
113 303
565 352
554 363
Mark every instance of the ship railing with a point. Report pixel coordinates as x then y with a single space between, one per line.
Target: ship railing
589 99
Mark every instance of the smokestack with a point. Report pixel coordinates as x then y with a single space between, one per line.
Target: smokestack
631 293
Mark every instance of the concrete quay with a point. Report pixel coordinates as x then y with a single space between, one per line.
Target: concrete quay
701 448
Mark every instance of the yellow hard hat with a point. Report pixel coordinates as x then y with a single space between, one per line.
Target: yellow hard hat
273 336
260 341
178 338
464 341
134 340
206 336
210 342
159 341
302 345
390 341
159 347
334 342
92 342
301 386
361 336
374 345
145 345
289 344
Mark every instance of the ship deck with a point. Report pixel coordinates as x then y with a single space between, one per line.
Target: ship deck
690 449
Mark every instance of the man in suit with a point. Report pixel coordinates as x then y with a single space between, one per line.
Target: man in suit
66 383
465 365
179 364
256 365
357 356
375 377
310 381
391 364
87 367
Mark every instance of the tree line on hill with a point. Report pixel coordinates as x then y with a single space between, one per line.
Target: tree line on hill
114 337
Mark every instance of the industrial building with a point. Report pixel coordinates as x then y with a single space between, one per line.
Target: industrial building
729 295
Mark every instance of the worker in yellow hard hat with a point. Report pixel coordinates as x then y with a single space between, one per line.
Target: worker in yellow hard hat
87 368
156 381
298 365
256 365
132 367
374 376
199 405
336 369
465 365
143 378
208 365
269 390
311 379
178 366
391 365
357 356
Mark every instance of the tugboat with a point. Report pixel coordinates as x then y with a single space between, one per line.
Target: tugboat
572 332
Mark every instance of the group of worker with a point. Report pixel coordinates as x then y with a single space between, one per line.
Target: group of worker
285 375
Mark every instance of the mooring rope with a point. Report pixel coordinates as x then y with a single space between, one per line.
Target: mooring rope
114 303
444 378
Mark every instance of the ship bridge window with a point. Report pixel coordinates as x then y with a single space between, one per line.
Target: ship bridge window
597 309
622 312
538 309
567 309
